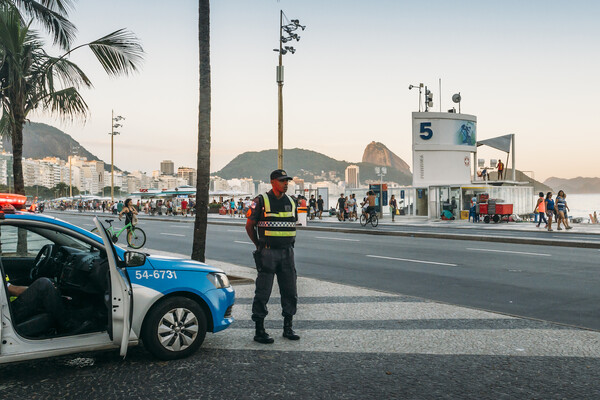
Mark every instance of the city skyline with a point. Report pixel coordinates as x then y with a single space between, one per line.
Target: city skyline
519 70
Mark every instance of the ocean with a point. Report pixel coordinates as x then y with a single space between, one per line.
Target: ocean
582 205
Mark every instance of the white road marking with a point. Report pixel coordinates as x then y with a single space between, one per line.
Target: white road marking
333 238
237 231
512 252
172 234
181 226
415 261
239 241
88 224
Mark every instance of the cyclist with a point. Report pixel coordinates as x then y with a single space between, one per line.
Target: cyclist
129 210
369 202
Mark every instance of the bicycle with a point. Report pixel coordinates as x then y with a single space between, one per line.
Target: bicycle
372 218
136 237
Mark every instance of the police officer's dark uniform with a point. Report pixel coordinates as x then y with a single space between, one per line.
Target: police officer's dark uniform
275 219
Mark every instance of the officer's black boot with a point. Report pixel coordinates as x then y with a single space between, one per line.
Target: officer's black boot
288 332
261 336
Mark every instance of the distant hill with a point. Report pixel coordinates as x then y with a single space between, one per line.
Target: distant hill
378 154
41 140
574 185
306 164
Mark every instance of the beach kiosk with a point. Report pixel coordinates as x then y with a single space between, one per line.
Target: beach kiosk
443 144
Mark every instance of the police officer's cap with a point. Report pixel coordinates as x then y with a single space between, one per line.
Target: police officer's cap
280 175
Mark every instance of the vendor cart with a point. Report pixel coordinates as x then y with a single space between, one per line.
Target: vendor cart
494 211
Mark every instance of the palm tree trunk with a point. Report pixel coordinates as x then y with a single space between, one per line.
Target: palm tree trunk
203 165
17 149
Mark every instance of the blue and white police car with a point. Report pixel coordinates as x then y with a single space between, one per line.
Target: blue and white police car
119 297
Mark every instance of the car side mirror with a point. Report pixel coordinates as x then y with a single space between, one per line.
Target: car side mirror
134 259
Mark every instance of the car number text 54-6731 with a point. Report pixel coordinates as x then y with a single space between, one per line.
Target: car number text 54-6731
155 275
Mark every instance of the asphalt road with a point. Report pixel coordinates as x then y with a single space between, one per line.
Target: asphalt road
555 284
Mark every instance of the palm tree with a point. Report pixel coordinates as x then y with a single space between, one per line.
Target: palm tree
52 14
203 166
32 79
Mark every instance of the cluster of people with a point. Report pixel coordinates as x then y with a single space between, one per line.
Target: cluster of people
553 209
347 206
233 208
315 207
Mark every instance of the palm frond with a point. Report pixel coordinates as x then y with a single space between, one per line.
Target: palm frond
66 103
119 53
52 14
63 7
5 125
65 71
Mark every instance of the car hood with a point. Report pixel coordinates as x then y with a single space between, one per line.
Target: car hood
179 264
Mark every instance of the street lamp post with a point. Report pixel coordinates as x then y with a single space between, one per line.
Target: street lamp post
114 124
381 172
289 29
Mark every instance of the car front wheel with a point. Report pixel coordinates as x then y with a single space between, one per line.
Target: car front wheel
175 328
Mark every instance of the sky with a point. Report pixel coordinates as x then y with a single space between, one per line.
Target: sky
524 67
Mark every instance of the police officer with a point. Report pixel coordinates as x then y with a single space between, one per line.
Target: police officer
274 215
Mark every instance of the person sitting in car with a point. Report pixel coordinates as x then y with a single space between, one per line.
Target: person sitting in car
42 297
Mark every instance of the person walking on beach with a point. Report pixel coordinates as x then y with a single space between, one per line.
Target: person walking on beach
341 204
320 206
540 208
271 225
393 206
561 209
549 203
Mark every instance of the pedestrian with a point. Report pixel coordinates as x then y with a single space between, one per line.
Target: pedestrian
500 169
341 205
393 206
561 209
540 208
274 215
320 206
232 207
104 206
549 203
184 205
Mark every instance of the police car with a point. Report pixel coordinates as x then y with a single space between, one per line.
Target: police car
119 297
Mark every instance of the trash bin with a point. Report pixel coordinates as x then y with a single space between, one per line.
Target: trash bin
302 214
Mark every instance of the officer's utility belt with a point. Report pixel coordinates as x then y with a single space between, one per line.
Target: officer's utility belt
270 247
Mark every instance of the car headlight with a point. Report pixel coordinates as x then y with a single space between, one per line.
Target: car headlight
219 279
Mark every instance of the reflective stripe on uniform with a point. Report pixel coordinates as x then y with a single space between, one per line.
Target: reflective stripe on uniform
280 233
268 212
276 224
284 214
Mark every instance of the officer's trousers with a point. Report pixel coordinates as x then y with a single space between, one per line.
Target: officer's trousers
40 297
278 262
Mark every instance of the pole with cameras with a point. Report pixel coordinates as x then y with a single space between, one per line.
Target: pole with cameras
112 133
289 29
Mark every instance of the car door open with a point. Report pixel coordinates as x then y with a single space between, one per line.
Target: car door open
120 295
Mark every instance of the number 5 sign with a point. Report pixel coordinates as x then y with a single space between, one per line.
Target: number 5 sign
426 133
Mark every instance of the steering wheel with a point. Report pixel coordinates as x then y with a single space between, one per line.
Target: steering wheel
42 265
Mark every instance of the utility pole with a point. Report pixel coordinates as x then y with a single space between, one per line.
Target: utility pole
289 30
